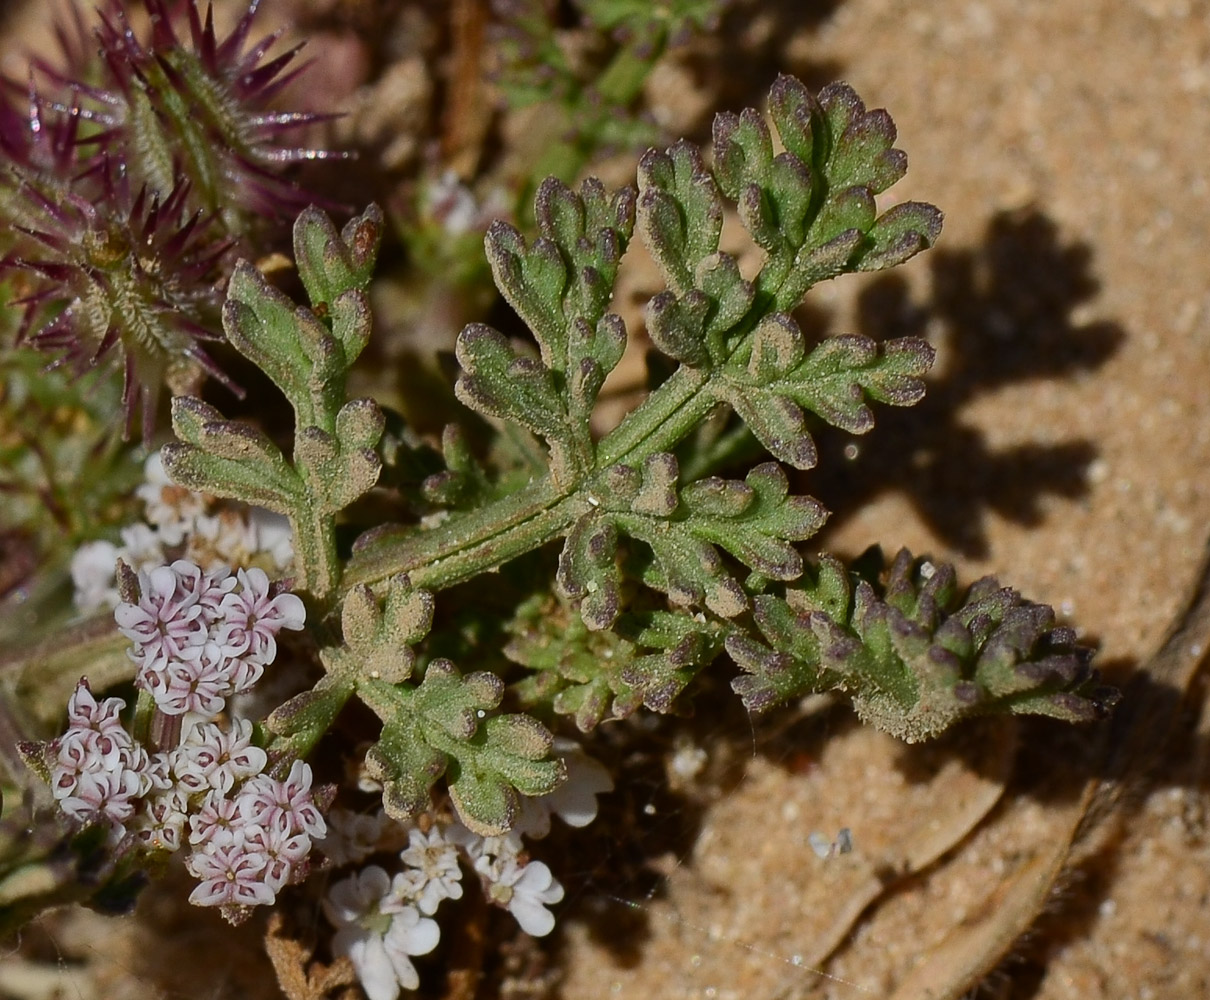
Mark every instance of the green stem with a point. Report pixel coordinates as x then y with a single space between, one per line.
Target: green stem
466 546
318 562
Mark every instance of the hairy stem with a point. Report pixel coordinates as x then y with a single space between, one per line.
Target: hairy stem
474 543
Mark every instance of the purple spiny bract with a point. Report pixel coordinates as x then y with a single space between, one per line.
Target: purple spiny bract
139 158
196 106
121 271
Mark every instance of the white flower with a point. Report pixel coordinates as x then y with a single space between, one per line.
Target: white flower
574 801
524 890
378 933
92 567
352 836
273 536
141 547
171 508
433 873
85 712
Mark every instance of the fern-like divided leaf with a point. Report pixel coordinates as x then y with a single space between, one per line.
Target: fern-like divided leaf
782 380
441 727
812 210
648 659
754 520
812 207
560 285
914 652
307 353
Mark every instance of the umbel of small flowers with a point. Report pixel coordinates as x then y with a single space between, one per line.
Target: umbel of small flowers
383 920
197 638
180 523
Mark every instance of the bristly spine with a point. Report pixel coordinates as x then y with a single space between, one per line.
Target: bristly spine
138 161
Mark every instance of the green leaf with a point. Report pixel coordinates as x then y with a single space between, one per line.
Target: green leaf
381 635
915 654
833 381
588 569
754 520
679 212
683 645
435 728
576 670
331 263
497 381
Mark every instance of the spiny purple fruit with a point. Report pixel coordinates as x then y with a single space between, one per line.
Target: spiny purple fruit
138 160
139 278
189 105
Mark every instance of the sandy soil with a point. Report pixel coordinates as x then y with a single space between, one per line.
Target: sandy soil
1062 446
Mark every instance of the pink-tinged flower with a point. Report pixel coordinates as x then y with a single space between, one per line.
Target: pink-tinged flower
256 618
199 684
211 758
165 622
160 824
284 852
286 805
109 794
207 588
524 890
217 824
85 712
378 932
231 875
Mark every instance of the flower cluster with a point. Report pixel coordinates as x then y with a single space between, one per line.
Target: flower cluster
180 524
197 641
198 637
384 920
100 772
